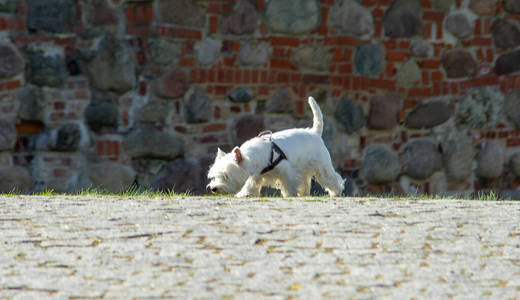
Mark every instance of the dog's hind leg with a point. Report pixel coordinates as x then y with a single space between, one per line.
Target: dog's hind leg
331 181
251 188
305 187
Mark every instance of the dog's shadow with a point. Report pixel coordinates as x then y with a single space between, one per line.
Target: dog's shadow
316 190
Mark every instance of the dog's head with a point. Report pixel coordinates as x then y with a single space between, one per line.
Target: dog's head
226 175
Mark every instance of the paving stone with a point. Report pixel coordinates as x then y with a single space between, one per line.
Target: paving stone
32 104
409 74
380 165
280 102
459 25
512 108
208 51
490 160
15 179
429 114
421 48
110 176
458 154
421 158
46 70
243 20
369 59
246 127
100 13
458 63
314 58
506 33
181 12
515 163
8 135
241 95
349 115
197 106
9 6
154 112
54 16
153 144
384 112
351 18
181 176
484 7
11 60
292 16
508 63
65 138
173 84
102 115
512 6
480 108
113 67
218 248
403 19
253 54
163 52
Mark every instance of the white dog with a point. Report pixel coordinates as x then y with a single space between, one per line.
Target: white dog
287 160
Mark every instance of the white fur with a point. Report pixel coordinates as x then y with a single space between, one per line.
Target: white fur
307 158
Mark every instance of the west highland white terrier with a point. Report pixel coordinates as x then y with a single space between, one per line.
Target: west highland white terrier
286 160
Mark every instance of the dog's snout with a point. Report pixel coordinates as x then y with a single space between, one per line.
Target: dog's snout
214 189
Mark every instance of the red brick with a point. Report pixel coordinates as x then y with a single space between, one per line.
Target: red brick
260 4
187 62
129 15
29 128
285 41
419 92
483 81
513 142
213 24
425 78
59 172
478 27
59 105
426 3
440 31
281 64
404 45
428 31
430 64
433 16
481 41
187 33
382 84
11 85
214 8
395 56
345 69
378 13
437 76
390 44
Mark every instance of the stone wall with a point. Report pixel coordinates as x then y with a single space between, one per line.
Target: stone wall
419 96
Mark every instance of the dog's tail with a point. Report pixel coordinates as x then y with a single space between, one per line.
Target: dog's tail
317 117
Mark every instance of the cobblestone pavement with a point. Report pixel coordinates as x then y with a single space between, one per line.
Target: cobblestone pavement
220 248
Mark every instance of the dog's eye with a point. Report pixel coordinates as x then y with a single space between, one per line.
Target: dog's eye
226 177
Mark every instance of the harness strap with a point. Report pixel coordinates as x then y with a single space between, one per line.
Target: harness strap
273 164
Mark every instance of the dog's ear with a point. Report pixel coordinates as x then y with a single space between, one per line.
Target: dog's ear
238 155
220 153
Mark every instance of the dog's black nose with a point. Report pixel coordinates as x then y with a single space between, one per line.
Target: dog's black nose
214 189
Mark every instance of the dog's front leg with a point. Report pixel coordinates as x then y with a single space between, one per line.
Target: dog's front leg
251 187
